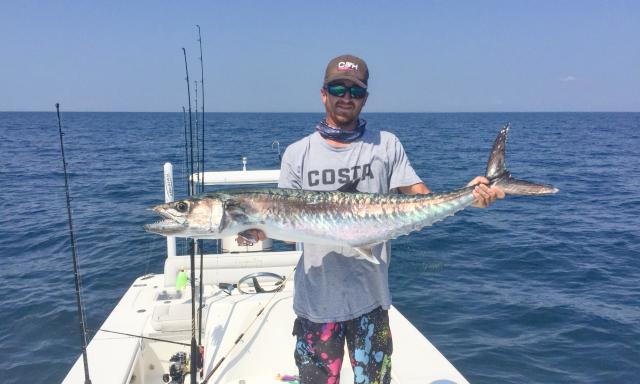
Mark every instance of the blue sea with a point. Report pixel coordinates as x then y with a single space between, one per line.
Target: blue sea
531 290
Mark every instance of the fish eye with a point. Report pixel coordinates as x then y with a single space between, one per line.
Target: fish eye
181 206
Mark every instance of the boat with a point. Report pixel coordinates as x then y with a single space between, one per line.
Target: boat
247 318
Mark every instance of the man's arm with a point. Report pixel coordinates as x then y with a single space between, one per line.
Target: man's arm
415 189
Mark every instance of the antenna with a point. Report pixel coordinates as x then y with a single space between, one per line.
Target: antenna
275 144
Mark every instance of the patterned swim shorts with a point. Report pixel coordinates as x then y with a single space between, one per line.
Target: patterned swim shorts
320 349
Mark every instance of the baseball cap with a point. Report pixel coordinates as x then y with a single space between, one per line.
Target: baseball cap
347 67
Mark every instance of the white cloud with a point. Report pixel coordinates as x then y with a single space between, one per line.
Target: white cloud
568 78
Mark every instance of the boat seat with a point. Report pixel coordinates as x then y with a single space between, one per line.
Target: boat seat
172 318
230 267
172 309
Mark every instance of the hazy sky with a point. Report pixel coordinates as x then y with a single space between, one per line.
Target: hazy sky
424 56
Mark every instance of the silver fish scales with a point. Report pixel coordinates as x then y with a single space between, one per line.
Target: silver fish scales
353 219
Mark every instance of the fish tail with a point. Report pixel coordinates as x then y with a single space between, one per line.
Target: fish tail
499 176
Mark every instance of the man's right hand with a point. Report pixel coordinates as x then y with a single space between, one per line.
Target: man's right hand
250 237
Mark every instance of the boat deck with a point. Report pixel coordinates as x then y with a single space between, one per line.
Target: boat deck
152 308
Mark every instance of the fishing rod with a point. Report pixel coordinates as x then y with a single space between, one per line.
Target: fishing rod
197 126
186 69
74 255
201 245
202 109
186 146
192 257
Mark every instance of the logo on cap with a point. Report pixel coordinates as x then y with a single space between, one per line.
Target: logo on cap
347 66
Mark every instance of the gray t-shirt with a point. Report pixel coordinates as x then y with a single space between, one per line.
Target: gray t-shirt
330 285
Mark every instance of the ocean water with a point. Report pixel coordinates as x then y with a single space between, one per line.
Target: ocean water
531 290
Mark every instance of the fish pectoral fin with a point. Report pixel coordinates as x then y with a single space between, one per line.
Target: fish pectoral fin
367 253
232 211
233 208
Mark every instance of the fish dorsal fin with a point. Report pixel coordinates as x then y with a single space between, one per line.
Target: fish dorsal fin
350 187
367 253
496 164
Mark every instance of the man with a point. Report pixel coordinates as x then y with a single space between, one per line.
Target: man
340 298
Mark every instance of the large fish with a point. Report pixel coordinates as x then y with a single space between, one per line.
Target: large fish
342 218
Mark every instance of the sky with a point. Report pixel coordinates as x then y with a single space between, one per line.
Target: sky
270 56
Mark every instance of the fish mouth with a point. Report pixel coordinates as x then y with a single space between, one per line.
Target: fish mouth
170 225
165 227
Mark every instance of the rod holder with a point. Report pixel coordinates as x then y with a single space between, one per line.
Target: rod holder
168 198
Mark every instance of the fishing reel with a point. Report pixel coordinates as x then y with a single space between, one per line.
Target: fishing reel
178 369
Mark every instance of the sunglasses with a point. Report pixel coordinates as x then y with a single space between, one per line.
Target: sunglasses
340 90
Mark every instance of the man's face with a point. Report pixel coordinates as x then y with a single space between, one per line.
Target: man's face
342 110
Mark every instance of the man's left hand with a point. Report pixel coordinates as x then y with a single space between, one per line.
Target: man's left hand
484 195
